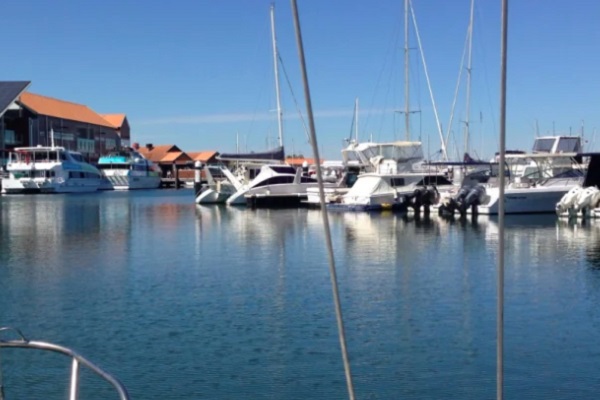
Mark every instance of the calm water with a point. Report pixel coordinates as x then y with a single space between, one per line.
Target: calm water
187 302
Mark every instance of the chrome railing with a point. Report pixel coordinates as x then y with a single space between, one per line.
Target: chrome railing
77 360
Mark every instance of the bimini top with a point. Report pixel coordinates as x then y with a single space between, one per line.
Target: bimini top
401 151
277 154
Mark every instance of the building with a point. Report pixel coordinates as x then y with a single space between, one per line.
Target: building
205 157
9 93
167 156
34 120
119 121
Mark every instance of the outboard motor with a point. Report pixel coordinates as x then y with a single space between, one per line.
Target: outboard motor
455 203
424 196
567 202
587 200
474 198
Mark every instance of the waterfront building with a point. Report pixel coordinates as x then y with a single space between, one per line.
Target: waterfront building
36 120
9 93
119 121
168 157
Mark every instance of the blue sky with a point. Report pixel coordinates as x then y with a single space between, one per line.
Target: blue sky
200 73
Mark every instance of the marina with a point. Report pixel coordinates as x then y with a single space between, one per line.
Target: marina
403 270
185 301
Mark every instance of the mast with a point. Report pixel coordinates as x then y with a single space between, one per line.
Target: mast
468 110
276 69
500 280
356 120
406 70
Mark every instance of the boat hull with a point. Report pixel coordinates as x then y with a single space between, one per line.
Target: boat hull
524 201
212 196
34 186
132 182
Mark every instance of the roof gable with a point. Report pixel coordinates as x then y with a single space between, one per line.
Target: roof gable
62 109
157 153
175 157
202 156
9 92
116 120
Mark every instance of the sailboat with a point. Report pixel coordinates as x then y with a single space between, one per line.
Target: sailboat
396 176
274 185
235 184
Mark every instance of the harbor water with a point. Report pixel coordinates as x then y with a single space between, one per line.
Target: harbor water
181 301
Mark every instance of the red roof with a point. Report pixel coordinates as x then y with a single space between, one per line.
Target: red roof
114 119
202 156
300 160
62 109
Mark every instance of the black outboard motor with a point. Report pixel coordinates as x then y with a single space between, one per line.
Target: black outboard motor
423 196
467 196
475 196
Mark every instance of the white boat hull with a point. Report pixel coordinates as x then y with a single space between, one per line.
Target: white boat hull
132 182
74 185
212 196
523 201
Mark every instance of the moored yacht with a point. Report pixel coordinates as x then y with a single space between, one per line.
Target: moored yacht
276 186
49 169
395 176
128 169
535 182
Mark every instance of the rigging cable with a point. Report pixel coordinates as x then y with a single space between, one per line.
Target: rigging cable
313 142
287 79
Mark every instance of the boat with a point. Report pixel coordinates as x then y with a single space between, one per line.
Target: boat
21 342
128 169
275 186
49 169
536 181
217 188
396 179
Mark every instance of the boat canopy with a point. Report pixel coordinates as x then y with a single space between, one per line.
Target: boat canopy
277 154
369 152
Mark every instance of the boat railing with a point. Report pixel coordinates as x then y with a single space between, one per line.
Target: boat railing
76 361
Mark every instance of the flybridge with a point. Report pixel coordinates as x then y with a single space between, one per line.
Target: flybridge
557 144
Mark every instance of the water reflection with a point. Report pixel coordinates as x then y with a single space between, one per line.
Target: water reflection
240 299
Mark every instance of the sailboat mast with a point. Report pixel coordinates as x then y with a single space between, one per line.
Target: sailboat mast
500 280
406 71
356 120
468 110
276 69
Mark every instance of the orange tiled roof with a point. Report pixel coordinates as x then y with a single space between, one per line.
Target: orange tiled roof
114 119
158 152
175 156
300 161
62 109
202 156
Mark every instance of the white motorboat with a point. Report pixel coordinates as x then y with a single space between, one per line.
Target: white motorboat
49 169
275 185
536 182
215 191
128 169
396 177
